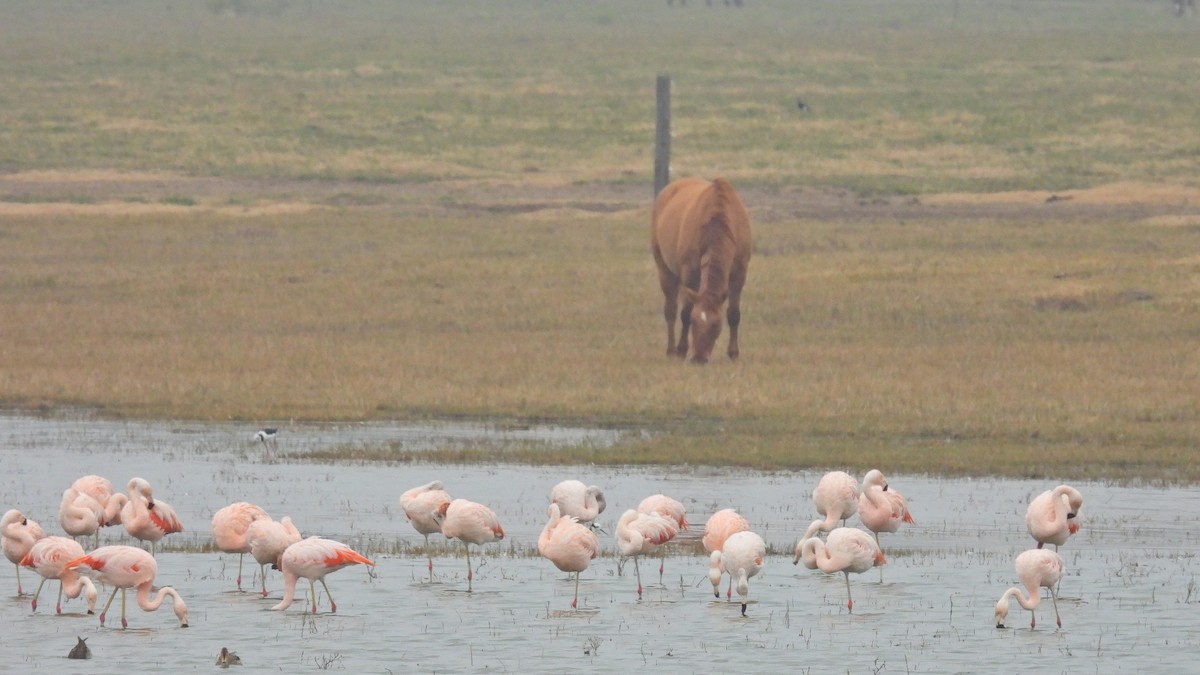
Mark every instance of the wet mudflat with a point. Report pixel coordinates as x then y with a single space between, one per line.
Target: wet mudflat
1129 596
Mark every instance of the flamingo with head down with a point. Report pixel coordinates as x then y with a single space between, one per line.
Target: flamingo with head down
1037 569
313 559
48 558
720 526
125 567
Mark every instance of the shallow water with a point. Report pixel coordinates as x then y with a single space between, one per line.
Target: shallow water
1129 596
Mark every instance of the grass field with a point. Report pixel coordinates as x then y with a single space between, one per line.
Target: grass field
975 254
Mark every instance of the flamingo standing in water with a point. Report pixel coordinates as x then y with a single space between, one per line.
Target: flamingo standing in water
19 535
471 523
640 533
668 508
101 489
80 515
717 530
568 544
267 540
425 507
146 518
1052 516
229 526
313 559
48 558
1037 569
125 567
836 498
742 557
846 550
881 509
585 503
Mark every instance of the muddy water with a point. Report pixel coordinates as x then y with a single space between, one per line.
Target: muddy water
1130 596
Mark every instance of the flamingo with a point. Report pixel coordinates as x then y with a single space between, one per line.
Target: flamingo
471 523
668 508
1051 516
640 533
313 559
585 503
101 489
846 550
1037 569
717 530
80 515
425 507
144 517
267 540
836 498
125 567
229 525
48 558
880 509
19 535
570 545
742 557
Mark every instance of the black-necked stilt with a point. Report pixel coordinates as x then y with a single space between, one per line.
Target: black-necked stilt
267 436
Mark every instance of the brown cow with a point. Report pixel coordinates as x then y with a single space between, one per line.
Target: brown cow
700 235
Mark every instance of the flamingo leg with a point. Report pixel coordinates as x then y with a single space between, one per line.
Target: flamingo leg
263 571
108 604
332 604
639 576
19 591
429 556
661 562
239 577
58 602
575 602
469 574
124 623
849 600
39 592
312 591
1054 597
880 547
729 591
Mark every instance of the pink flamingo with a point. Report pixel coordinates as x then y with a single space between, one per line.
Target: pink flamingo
1037 569
19 534
717 530
668 508
881 509
471 523
425 507
836 498
585 503
48 558
1051 516
144 517
640 533
742 557
229 525
268 539
101 489
313 559
125 567
80 515
568 544
846 550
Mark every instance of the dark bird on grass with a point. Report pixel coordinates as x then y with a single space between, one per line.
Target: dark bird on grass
227 658
80 650
268 438
802 106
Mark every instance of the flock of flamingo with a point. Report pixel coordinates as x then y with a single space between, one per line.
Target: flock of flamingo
568 540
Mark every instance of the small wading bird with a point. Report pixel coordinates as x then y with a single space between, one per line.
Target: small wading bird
229 526
425 507
881 509
743 558
846 550
268 437
1037 569
640 534
668 508
268 539
585 503
125 567
48 558
569 545
720 526
471 523
1052 516
19 535
144 517
313 559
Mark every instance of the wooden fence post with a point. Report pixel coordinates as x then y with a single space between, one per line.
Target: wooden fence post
662 135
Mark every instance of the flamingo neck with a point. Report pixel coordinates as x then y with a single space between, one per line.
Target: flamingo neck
1029 602
714 571
289 590
144 601
743 583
